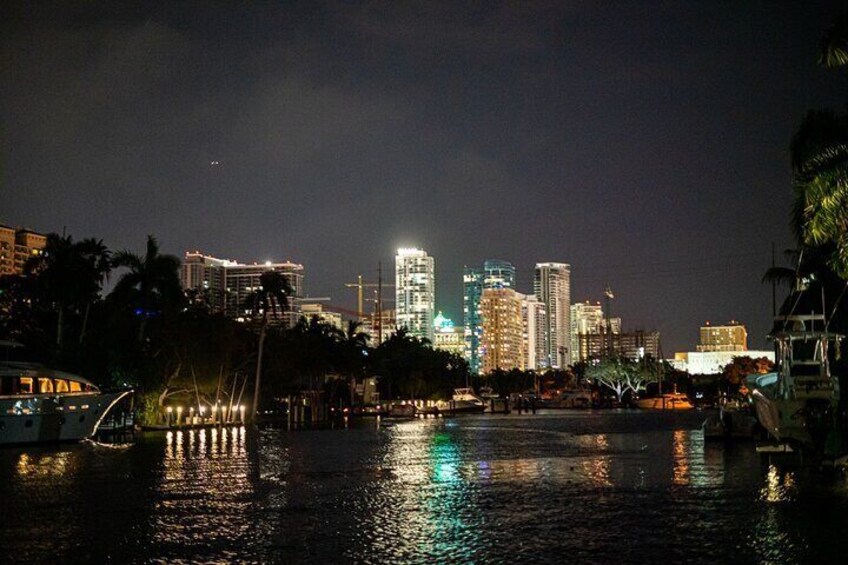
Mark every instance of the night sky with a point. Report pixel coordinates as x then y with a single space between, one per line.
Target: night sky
646 144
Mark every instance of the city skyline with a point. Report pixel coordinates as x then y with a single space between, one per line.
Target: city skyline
658 166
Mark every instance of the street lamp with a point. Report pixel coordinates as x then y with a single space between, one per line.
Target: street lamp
169 410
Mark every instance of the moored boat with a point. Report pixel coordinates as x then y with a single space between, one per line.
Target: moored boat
666 401
798 403
463 400
41 405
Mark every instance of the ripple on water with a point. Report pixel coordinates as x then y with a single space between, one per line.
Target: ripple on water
584 487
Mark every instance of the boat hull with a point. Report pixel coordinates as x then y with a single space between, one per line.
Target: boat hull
50 419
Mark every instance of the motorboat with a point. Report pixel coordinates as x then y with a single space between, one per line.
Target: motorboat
666 401
402 410
41 405
798 402
463 400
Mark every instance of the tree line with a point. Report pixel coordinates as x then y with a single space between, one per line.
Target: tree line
145 333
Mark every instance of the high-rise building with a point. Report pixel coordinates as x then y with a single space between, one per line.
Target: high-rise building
205 277
7 250
502 339
534 335
591 337
16 247
317 310
552 285
495 274
388 325
225 285
639 344
729 337
415 292
241 280
447 336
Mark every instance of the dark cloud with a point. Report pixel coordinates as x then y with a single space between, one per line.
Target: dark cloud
646 144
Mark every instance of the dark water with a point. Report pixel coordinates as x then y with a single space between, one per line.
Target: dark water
624 487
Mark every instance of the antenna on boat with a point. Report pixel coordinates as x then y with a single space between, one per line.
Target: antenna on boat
797 290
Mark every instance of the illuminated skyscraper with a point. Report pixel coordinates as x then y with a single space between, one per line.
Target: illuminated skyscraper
590 336
415 288
552 285
502 339
495 274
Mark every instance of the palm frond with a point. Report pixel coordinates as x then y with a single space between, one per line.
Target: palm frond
833 48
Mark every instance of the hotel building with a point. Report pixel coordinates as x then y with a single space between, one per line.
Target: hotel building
225 285
729 337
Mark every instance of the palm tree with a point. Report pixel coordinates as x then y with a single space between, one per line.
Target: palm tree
820 166
272 296
70 275
354 344
152 283
98 261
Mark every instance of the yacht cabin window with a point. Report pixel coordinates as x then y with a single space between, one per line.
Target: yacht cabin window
26 385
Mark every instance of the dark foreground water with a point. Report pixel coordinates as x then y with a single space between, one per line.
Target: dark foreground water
608 487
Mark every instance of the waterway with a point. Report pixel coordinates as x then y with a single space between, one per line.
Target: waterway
581 487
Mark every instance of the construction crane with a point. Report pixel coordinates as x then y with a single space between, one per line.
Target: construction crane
360 287
609 296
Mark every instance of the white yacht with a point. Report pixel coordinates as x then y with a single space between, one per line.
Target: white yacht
798 402
40 405
463 400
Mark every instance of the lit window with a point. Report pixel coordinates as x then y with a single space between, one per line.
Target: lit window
74 387
26 385
45 386
61 385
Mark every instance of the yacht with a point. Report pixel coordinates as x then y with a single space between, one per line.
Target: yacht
463 400
798 402
40 405
666 401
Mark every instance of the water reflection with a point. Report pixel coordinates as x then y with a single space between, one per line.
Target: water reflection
206 478
680 458
597 489
54 466
779 485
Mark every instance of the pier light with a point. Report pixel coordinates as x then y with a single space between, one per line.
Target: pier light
201 409
241 412
179 410
169 409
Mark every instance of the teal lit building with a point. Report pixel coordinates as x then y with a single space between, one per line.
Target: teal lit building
494 274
